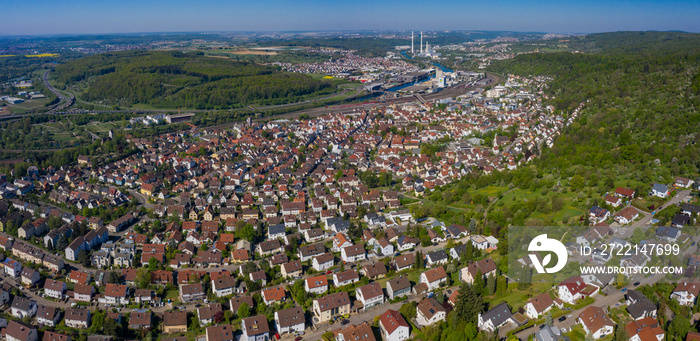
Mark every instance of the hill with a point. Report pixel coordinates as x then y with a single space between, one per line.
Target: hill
171 79
639 127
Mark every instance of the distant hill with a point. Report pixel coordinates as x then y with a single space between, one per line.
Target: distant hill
637 42
170 79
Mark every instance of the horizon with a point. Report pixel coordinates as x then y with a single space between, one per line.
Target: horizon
82 17
48 35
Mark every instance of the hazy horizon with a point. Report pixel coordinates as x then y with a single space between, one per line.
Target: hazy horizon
78 17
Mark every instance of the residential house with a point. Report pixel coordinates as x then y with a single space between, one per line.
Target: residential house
292 269
191 292
307 252
479 242
361 332
646 329
345 278
538 305
598 214
369 295
55 289
495 318
236 302
659 190
596 322
115 294
140 320
77 318
255 329
686 292
48 315
23 307
639 306
383 247
207 312
374 270
83 292
404 262
30 276
273 295
574 288
290 320
430 311
174 321
316 285
353 253
332 305
340 241
397 287
433 278
12 267
393 326
323 262
486 266
51 336
220 333
223 286
17 331
626 215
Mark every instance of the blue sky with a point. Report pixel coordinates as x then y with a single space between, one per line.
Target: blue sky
23 17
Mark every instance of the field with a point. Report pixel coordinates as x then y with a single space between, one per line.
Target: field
255 52
28 105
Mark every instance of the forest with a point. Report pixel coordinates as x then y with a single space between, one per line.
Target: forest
173 79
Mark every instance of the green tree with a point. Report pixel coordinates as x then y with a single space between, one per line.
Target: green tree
243 310
577 182
637 235
469 305
408 310
143 278
620 333
491 284
678 328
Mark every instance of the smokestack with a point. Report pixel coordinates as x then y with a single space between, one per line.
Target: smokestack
421 42
411 42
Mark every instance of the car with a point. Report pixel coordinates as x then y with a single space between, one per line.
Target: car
542 326
623 290
636 283
344 322
277 335
562 319
298 338
329 272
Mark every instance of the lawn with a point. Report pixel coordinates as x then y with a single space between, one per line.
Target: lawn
517 298
412 275
644 203
172 295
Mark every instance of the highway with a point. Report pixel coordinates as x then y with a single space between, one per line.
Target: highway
64 102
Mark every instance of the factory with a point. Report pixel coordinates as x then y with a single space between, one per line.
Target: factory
427 52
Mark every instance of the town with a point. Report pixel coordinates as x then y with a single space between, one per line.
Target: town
303 229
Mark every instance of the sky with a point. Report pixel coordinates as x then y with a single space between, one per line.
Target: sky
44 17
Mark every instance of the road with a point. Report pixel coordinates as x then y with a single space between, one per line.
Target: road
64 101
627 231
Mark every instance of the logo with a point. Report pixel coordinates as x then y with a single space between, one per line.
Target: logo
542 243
